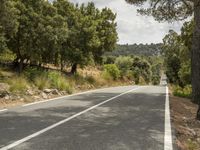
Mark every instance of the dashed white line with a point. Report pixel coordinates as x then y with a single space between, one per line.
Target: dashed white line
168 132
62 122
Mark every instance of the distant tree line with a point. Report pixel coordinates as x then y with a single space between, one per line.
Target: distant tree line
137 49
142 70
60 33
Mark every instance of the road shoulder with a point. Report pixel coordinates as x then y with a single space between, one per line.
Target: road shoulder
187 129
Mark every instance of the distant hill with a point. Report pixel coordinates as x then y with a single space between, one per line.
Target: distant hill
137 49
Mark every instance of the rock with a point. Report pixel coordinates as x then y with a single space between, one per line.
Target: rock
52 91
30 92
21 99
55 92
36 97
7 97
4 88
44 96
48 91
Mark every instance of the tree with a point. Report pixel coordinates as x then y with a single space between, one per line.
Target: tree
141 68
165 10
8 21
106 32
124 64
171 46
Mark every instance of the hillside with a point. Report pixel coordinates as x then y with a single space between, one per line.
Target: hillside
137 49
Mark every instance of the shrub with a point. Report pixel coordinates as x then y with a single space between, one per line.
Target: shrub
78 79
155 80
42 82
54 78
90 79
182 92
18 84
32 73
107 76
59 82
63 85
112 70
124 63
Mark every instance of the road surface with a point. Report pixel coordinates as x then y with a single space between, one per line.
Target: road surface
120 118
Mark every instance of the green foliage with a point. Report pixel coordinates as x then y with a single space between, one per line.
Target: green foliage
41 82
58 81
141 69
18 84
90 79
112 70
182 92
7 56
177 53
137 49
165 10
57 32
32 72
124 64
109 59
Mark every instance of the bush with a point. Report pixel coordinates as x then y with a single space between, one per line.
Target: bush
90 79
155 80
18 84
106 76
79 79
182 92
32 73
124 63
59 82
112 70
42 82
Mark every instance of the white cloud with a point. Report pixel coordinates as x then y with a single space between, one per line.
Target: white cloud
132 27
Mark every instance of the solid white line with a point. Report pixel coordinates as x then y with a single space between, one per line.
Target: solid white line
62 122
3 110
168 132
76 94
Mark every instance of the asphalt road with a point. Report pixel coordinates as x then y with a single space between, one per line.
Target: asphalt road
121 118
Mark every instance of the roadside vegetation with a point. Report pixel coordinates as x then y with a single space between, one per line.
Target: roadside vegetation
57 48
177 62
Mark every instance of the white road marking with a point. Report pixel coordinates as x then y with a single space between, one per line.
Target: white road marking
48 100
57 98
3 110
62 121
168 132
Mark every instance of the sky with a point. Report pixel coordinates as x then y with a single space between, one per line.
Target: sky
132 27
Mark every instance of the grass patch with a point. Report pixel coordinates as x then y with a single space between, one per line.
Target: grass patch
90 79
192 145
59 82
18 84
41 82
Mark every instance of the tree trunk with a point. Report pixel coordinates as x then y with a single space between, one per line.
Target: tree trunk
196 57
74 68
21 65
61 64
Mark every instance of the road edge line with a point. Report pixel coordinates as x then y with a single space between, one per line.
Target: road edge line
66 96
16 143
2 110
168 131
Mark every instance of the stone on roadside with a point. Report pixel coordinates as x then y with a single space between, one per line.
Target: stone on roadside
55 92
44 95
47 91
4 88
